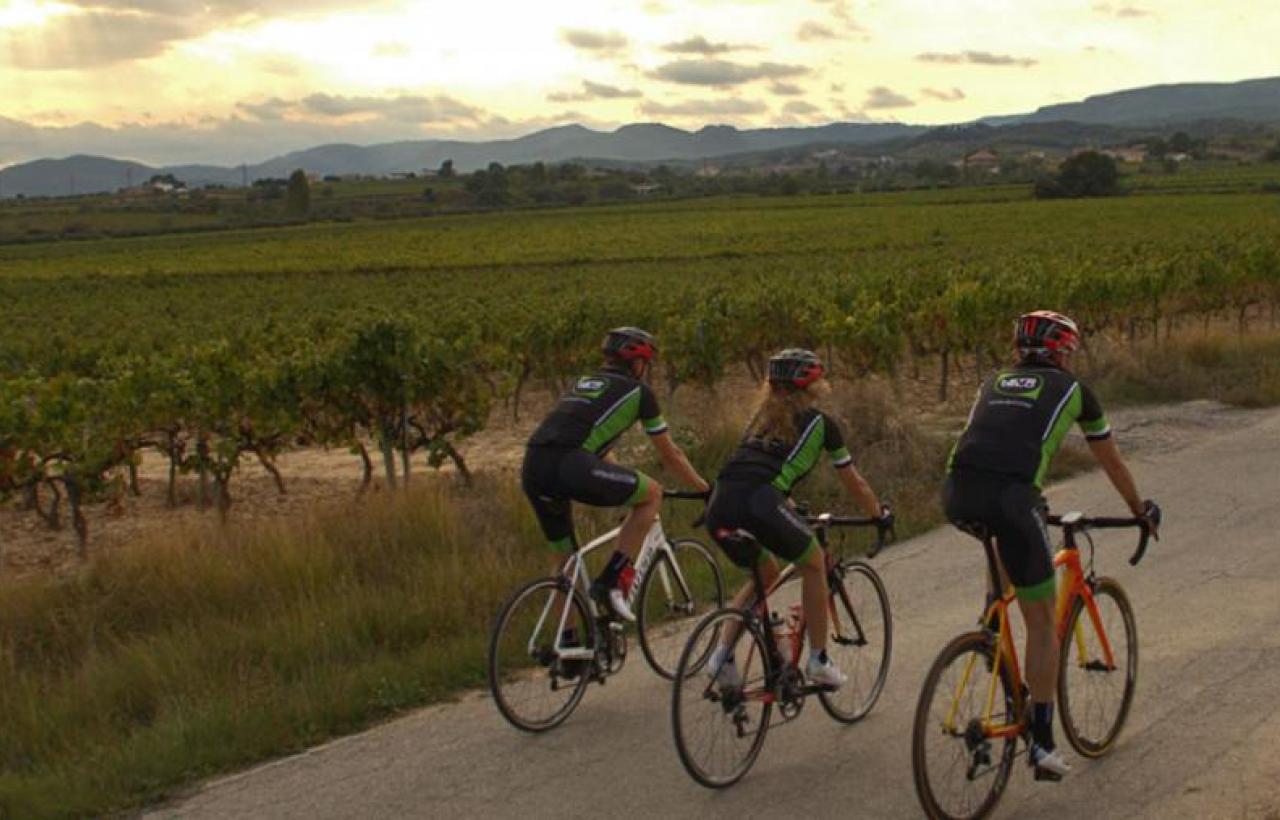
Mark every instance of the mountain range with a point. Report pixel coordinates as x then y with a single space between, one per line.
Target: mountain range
1249 101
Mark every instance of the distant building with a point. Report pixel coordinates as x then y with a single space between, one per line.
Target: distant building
707 170
645 188
984 159
1136 154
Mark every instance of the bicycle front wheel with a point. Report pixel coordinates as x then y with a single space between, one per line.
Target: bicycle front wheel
673 598
1094 695
959 771
534 685
720 720
861 641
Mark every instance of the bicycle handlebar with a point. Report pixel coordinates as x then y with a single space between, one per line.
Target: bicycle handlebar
1074 522
687 495
824 521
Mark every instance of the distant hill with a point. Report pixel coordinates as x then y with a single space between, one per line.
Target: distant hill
1253 100
1095 119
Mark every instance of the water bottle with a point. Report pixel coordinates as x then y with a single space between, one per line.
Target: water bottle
781 636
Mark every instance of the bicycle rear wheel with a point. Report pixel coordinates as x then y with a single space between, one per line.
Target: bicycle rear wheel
720 724
1094 697
959 772
672 601
534 686
861 641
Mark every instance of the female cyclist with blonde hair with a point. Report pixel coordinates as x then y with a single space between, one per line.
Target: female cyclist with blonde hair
782 444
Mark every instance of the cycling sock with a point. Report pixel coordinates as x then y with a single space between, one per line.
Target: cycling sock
819 655
1042 725
609 576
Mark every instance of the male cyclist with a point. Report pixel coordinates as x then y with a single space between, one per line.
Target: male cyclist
996 472
567 459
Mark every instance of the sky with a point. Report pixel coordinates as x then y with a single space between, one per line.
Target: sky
168 81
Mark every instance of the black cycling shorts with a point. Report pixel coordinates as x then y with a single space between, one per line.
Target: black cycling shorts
761 510
1013 512
553 477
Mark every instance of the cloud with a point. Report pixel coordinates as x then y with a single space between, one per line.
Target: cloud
975 58
403 108
93 33
732 107
1122 11
953 95
811 31
786 89
701 45
722 73
392 48
594 91
800 108
884 97
604 42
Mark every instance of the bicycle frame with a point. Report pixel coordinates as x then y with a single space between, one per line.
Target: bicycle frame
1074 584
574 574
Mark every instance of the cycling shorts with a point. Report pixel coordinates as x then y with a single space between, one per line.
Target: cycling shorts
554 477
1013 512
746 518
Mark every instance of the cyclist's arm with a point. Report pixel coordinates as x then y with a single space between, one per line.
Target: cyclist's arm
674 459
1108 455
861 491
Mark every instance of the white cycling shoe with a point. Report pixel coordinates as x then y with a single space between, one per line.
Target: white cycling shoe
1049 763
618 603
824 674
722 668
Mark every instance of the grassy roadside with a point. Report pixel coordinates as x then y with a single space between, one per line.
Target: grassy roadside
212 649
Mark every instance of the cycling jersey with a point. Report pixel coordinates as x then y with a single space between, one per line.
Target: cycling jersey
783 464
597 410
1020 419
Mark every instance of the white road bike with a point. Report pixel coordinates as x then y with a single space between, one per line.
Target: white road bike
551 639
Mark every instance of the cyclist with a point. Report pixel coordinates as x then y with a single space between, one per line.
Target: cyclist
750 514
994 477
567 460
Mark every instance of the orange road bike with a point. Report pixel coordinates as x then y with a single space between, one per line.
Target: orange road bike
972 709
720 729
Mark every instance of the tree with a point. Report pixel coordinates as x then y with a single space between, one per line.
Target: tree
1273 154
299 193
446 170
1088 173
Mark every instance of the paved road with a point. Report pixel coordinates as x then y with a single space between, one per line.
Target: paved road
1203 740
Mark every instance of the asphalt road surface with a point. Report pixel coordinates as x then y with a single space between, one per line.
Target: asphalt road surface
1202 741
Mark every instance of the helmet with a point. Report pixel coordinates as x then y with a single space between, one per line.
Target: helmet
1043 331
629 343
795 367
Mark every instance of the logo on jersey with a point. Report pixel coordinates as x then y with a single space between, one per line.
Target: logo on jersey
1022 385
591 386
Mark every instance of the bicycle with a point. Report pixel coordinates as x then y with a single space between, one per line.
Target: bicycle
973 705
735 719
551 639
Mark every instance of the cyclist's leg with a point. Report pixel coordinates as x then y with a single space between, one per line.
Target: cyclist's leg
553 510
1026 552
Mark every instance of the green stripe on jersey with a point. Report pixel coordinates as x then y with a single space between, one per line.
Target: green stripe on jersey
1066 413
803 456
614 422
655 425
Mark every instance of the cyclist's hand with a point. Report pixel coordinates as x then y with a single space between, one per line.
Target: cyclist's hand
703 486
1151 518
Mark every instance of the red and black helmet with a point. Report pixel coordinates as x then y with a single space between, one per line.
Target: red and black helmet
630 343
1043 331
795 367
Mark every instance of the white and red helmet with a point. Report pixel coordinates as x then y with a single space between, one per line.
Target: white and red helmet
629 344
1044 331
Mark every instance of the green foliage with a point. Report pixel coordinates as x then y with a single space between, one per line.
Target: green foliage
299 193
1086 174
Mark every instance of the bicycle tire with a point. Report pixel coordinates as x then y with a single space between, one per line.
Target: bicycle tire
848 607
662 640
756 670
1098 737
507 666
980 645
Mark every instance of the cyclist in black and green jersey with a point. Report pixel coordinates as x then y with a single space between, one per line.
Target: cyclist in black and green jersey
750 514
567 459
996 472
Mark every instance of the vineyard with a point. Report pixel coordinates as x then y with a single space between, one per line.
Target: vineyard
399 339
